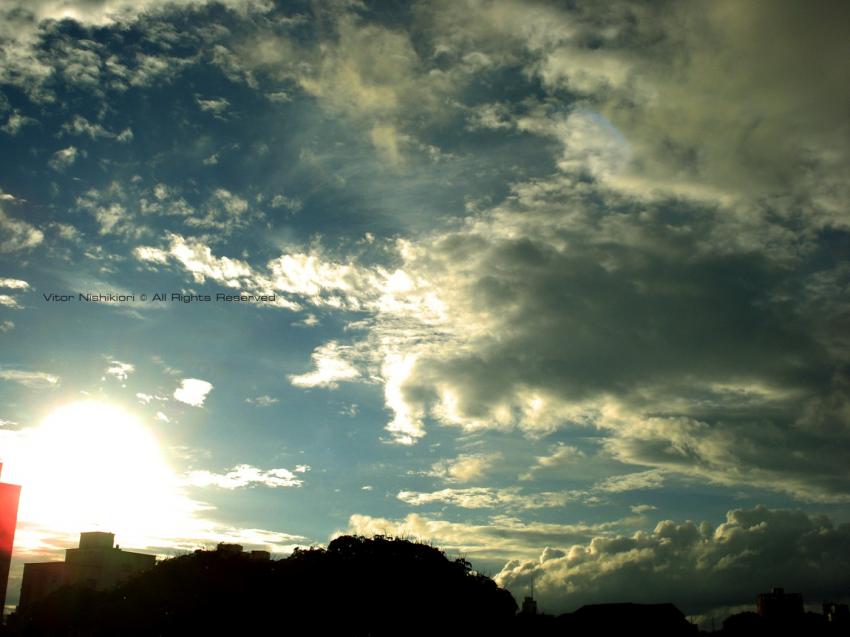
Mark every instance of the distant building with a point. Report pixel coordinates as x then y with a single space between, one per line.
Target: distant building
10 494
96 562
229 549
529 606
261 556
779 605
40 579
836 614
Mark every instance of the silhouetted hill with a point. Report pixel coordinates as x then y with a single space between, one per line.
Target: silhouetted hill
356 586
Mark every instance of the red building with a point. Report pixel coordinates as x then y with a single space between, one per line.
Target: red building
9 496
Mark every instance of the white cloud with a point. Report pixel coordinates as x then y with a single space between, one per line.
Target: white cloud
262 401
62 159
79 125
16 235
14 284
243 475
498 537
151 255
197 258
144 399
7 326
193 391
466 467
34 380
488 497
331 367
233 204
120 370
560 455
9 301
216 106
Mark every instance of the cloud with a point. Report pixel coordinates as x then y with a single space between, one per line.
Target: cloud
62 159
193 391
747 554
6 326
262 401
293 204
217 106
243 475
370 74
120 370
151 255
500 537
16 122
9 301
331 367
79 125
198 259
651 479
466 467
488 497
560 455
33 380
14 284
17 235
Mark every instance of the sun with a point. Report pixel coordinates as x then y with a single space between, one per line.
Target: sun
90 465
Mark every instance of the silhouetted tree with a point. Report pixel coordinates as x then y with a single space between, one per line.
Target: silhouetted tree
357 586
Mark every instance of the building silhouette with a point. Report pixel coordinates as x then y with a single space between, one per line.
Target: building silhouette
10 495
778 604
95 562
529 605
837 614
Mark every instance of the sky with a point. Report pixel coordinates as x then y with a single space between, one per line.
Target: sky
559 287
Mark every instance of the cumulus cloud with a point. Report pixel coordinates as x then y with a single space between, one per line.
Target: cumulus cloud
9 301
14 284
197 258
193 391
499 537
466 467
243 475
79 125
217 106
664 286
331 367
17 235
698 567
151 255
63 158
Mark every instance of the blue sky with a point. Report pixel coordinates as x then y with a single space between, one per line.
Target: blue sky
559 287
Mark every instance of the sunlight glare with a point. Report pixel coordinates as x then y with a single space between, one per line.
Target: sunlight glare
90 466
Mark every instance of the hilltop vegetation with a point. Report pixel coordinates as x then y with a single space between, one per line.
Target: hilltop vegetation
357 586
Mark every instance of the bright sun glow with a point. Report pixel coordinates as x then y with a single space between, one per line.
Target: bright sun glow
94 466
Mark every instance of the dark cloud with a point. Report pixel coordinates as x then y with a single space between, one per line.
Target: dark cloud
698 567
